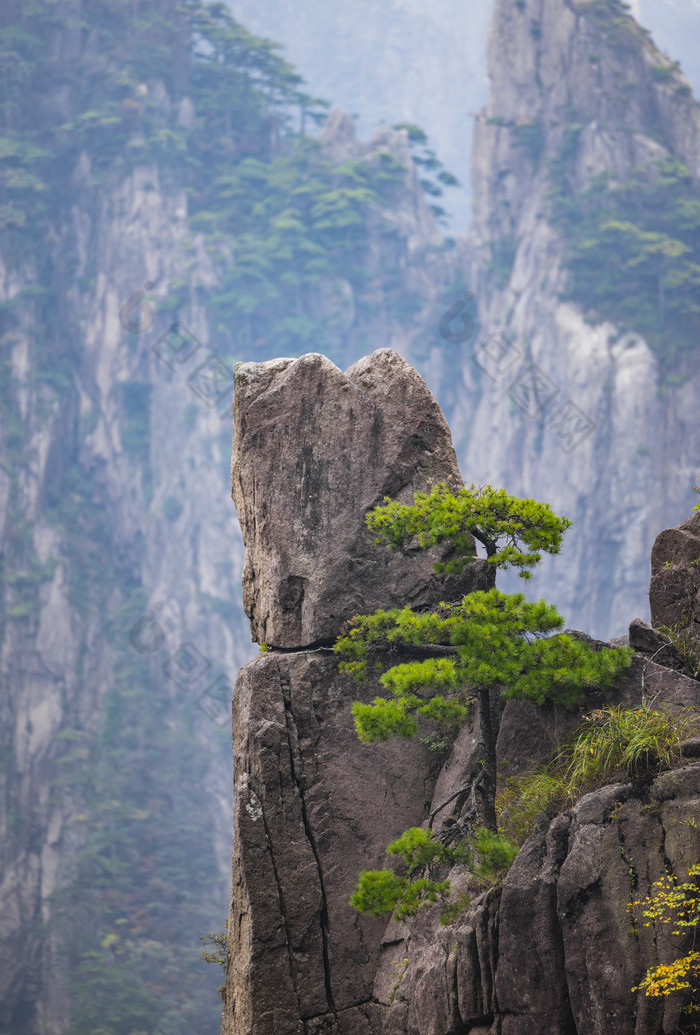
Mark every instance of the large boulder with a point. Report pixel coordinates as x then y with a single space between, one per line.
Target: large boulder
674 593
314 450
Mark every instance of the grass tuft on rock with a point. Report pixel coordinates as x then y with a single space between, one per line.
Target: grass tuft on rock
626 743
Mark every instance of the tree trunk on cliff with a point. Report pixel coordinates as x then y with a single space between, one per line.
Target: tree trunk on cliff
491 705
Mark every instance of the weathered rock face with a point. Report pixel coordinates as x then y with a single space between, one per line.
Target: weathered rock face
555 951
314 450
312 807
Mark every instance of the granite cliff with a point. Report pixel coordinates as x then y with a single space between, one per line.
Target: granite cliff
576 408
551 950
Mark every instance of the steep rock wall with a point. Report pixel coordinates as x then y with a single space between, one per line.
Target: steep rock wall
120 418
620 458
311 806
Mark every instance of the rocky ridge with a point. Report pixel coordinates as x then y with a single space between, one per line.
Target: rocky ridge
552 950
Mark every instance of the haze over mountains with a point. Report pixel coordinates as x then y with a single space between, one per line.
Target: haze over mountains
424 61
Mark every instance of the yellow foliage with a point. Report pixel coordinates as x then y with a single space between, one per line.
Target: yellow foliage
671 977
678 904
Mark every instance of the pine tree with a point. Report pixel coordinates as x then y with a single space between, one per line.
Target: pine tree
490 646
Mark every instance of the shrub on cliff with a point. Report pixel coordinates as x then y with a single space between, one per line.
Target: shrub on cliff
383 891
675 902
488 855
